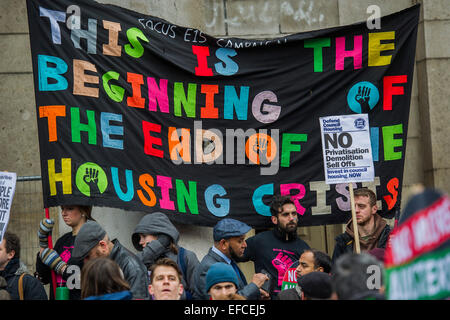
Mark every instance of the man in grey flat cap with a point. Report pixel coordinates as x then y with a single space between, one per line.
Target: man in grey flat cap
93 242
229 244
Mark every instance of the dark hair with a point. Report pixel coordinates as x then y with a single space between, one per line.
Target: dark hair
12 242
364 192
350 275
165 262
321 259
278 202
101 276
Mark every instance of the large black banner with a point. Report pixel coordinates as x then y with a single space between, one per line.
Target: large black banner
138 113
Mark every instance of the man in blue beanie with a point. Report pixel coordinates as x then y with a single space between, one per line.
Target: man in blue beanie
221 281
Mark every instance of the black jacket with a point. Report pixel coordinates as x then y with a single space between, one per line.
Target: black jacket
32 287
134 271
64 247
344 243
249 291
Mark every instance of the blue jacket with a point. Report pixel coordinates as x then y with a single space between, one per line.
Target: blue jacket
122 295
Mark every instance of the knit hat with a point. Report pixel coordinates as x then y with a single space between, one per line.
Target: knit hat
316 285
220 272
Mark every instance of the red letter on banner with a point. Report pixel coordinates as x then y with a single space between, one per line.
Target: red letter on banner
389 90
149 141
202 69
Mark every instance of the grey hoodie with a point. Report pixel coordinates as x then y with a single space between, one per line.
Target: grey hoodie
157 223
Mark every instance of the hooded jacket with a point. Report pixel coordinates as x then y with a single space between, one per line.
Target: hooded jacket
32 287
158 223
133 270
378 239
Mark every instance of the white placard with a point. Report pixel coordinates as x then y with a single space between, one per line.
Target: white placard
7 189
346 147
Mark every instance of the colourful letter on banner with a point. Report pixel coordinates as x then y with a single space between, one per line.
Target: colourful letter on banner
190 197
318 45
149 141
224 55
288 146
356 53
201 53
135 48
77 127
157 94
108 130
179 98
65 176
128 196
179 146
136 81
209 111
165 184
54 17
285 190
45 72
114 92
51 112
112 48
389 90
146 181
390 142
257 199
375 47
80 78
392 187
223 207
231 100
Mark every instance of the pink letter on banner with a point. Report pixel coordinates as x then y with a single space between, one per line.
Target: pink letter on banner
165 183
356 53
159 94
285 190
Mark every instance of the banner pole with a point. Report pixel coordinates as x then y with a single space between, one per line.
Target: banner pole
355 224
50 245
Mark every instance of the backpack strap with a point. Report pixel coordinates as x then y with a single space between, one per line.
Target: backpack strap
21 296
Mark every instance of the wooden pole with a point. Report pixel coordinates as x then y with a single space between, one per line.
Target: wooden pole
50 245
355 224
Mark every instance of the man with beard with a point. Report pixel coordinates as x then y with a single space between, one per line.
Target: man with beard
373 230
277 249
229 246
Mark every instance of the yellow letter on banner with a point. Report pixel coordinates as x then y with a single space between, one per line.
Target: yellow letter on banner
375 47
65 176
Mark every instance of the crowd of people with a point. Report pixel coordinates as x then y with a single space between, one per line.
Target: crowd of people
163 270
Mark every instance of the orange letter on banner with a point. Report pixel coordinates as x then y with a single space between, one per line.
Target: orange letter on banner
80 78
136 80
209 111
51 112
179 147
146 181
112 48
